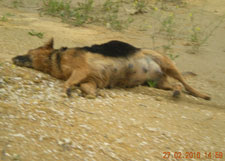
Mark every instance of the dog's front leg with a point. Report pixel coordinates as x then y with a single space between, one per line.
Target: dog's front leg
76 77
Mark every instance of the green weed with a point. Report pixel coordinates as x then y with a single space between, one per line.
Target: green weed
37 34
16 157
85 12
154 35
178 3
111 18
4 18
152 83
168 27
9 14
110 6
140 6
17 3
172 56
82 13
56 8
76 15
198 36
112 21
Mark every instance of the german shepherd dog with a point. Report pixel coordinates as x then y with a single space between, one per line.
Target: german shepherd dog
107 65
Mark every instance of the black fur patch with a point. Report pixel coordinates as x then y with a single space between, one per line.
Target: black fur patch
145 70
63 48
55 55
58 59
51 55
58 55
112 48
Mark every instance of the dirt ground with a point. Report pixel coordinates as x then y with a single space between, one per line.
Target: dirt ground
37 121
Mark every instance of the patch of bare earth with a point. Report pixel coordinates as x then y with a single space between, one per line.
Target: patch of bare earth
37 121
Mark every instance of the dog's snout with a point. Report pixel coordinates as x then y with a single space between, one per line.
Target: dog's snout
15 60
22 61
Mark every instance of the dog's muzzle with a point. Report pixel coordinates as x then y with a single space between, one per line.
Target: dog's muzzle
22 61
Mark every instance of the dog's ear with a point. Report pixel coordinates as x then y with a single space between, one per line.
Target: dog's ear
49 44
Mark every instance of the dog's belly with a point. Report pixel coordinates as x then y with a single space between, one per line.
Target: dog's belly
138 71
124 72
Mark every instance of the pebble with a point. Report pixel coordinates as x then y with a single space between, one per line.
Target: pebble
158 98
67 140
1 85
8 80
101 93
112 95
17 78
37 81
90 96
152 129
78 91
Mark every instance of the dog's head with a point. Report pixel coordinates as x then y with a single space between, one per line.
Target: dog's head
34 56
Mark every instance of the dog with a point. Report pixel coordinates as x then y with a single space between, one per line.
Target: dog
111 64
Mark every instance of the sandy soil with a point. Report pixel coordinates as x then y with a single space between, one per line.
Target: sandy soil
37 121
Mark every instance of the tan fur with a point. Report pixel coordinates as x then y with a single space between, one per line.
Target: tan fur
92 71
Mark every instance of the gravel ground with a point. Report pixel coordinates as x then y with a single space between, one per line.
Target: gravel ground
38 122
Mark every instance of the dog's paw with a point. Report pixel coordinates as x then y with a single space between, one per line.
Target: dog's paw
68 92
176 94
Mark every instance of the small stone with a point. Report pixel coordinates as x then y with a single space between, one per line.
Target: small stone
27 82
102 94
78 91
4 96
16 87
37 81
1 85
36 89
187 44
142 105
60 142
64 95
26 76
158 98
67 140
90 96
151 129
112 95
17 78
7 80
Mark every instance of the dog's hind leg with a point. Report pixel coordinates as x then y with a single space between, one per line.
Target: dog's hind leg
163 83
76 77
174 73
89 88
